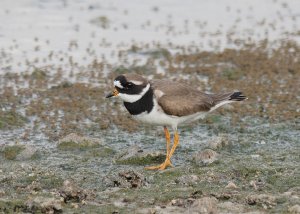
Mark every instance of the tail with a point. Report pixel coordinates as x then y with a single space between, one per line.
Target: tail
224 98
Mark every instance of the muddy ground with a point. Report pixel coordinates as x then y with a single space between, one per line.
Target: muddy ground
65 148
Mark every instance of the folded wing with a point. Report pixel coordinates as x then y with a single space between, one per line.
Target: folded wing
180 99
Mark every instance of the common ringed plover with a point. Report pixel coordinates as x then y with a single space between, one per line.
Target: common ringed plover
167 103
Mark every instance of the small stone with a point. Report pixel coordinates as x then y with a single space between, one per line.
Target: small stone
75 205
34 187
71 192
263 200
255 156
187 180
119 203
205 157
253 184
26 166
74 141
218 142
28 153
206 205
261 142
231 185
178 202
44 205
230 207
288 194
294 209
173 202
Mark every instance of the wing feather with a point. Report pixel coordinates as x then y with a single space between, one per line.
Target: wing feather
179 99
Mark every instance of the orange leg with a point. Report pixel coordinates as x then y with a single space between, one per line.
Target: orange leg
167 162
176 142
168 139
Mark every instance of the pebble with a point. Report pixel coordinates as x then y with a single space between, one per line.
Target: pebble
253 184
294 209
27 153
71 192
205 157
231 185
261 142
218 142
80 140
75 205
255 156
205 205
187 180
45 204
230 207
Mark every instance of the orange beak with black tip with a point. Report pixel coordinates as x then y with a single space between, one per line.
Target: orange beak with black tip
114 93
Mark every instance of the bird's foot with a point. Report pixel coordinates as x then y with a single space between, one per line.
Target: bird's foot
161 166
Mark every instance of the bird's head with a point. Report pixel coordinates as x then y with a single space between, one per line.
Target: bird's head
129 87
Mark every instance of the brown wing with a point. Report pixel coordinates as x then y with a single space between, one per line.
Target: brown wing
179 99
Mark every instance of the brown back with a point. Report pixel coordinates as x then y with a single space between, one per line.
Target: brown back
180 99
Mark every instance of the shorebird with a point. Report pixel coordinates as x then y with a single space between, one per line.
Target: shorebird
167 103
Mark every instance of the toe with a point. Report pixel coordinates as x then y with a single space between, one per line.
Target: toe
162 166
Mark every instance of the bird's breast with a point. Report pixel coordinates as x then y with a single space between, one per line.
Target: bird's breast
145 104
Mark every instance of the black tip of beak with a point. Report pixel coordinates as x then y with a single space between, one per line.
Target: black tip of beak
109 95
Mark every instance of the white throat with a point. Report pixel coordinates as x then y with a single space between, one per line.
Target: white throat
131 98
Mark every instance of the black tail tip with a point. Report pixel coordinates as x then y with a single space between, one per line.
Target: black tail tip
237 96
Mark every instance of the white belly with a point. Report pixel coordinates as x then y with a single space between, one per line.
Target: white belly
158 117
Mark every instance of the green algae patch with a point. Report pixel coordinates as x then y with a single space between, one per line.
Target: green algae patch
12 206
159 53
10 119
70 145
46 181
65 84
101 21
139 69
136 156
155 53
11 152
50 182
39 74
232 74
142 160
97 208
100 152
76 142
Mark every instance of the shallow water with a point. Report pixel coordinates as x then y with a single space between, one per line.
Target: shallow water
70 34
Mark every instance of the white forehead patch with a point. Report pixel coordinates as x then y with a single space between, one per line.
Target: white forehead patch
118 84
136 82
